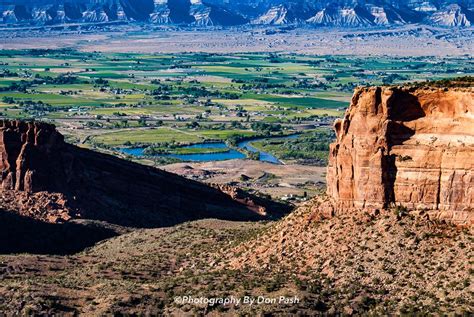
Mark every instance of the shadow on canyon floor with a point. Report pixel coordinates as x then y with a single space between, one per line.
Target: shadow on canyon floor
19 234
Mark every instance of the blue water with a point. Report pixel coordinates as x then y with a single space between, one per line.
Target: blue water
134 151
217 145
264 156
229 155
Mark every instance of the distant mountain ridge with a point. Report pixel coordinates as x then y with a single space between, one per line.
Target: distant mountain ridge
337 13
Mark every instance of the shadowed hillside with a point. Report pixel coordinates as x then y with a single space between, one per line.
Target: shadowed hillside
47 179
20 234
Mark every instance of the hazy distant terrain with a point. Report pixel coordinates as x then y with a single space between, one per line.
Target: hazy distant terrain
336 13
409 40
362 27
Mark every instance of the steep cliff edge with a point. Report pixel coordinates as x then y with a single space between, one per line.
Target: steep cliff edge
412 147
44 178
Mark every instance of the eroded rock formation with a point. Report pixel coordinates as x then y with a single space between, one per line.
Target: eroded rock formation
23 148
45 178
406 146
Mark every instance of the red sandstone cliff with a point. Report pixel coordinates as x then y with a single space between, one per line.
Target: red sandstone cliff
406 146
48 179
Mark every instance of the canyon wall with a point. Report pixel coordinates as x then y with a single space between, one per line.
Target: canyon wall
45 178
26 152
406 146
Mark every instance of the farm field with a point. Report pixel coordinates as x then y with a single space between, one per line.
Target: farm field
165 101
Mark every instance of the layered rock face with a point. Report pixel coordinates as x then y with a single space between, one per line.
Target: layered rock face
41 173
406 146
47 12
23 148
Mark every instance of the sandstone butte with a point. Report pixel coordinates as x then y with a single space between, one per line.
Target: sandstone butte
45 178
406 146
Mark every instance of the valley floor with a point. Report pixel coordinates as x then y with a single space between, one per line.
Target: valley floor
410 40
351 263
278 181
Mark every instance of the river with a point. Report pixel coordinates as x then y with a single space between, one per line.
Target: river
209 157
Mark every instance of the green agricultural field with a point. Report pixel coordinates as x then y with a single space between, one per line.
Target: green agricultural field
307 102
184 150
146 136
112 99
223 135
52 99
